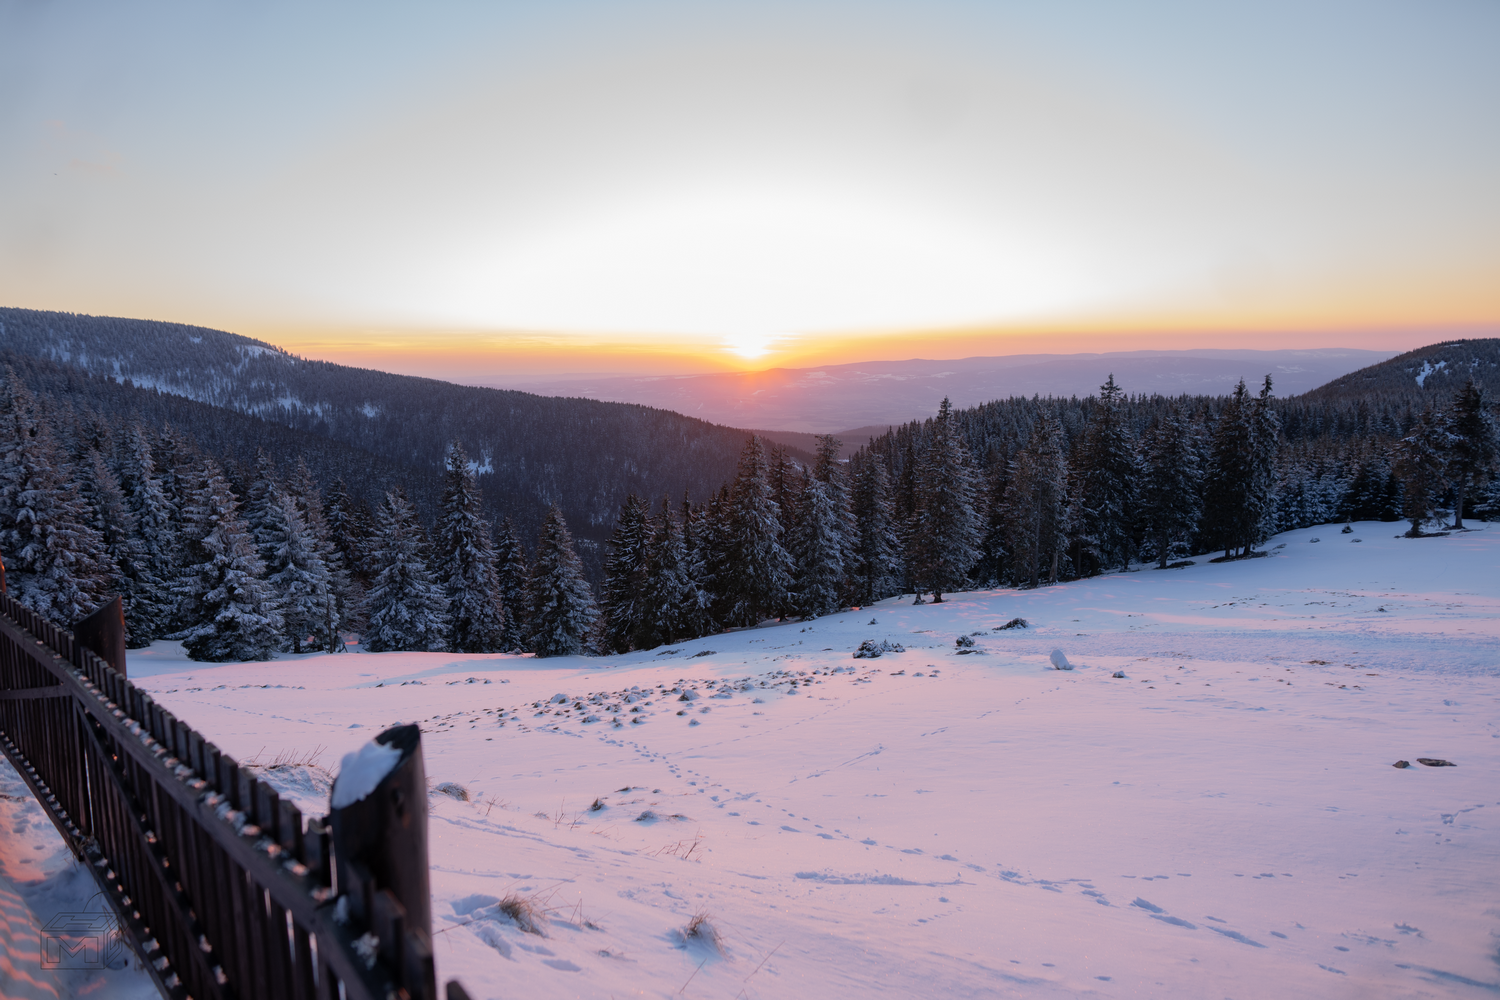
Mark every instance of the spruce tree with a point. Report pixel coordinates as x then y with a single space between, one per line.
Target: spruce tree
262 500
303 489
1421 462
56 562
406 606
817 545
231 610
1106 474
111 518
349 533
945 536
1473 452
1036 505
673 602
299 578
627 616
877 569
754 570
466 563
152 600
697 612
513 574
1265 430
563 613
1231 514
1169 488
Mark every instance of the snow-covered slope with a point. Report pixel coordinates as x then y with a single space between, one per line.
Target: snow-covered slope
1221 820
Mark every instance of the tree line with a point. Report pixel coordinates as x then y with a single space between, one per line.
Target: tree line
241 564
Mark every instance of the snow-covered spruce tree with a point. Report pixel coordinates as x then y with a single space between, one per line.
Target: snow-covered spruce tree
672 599
905 500
1420 460
466 562
1374 491
299 578
303 489
754 570
513 575
56 562
262 499
1036 505
945 536
877 568
627 615
785 479
1169 509
705 531
406 606
991 569
1473 453
149 610
833 473
231 609
1106 475
110 516
1265 437
349 534
817 545
1231 514
563 613
696 614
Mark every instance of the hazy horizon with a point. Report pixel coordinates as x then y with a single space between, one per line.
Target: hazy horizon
659 188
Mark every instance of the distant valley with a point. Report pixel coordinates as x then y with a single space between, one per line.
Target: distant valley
877 394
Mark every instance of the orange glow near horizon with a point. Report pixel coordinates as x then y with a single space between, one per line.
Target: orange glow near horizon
517 359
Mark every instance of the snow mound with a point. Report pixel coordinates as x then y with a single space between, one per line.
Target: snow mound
1059 661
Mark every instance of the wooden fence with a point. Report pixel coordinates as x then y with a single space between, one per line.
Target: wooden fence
224 889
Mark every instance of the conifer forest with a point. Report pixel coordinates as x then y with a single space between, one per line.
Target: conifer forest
242 532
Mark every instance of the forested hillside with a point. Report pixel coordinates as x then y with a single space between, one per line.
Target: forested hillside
1418 377
241 535
530 451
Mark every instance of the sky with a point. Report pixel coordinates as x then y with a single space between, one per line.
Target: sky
489 191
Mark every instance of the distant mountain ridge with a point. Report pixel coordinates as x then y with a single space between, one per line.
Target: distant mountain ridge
835 398
584 455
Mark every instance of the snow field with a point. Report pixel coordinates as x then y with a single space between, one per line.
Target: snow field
1223 820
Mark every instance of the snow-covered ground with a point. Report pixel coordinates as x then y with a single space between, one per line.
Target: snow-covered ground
1221 821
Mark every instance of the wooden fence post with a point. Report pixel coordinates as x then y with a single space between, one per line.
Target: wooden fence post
380 858
104 633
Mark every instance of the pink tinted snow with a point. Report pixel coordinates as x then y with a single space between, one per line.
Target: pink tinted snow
1222 820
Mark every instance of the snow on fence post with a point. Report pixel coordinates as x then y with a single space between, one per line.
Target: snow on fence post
104 633
379 844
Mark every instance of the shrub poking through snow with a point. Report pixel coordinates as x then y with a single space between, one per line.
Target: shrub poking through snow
646 817
527 913
454 790
871 648
964 642
1015 623
598 804
701 931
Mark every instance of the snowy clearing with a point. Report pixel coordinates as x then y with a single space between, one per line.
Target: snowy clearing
1222 820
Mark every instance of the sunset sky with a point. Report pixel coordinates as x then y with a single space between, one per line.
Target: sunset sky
508 191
